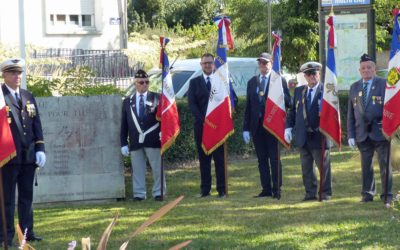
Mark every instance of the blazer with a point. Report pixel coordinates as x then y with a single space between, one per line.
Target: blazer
255 108
128 128
304 122
364 122
198 97
26 127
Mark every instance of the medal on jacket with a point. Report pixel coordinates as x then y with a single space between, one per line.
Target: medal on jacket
261 93
360 93
30 108
8 114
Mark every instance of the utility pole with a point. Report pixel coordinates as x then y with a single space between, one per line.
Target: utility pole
22 39
269 27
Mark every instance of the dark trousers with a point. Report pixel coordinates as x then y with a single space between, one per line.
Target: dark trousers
205 166
266 146
309 156
21 176
367 149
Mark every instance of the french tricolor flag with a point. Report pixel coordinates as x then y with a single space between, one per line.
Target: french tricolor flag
330 116
275 113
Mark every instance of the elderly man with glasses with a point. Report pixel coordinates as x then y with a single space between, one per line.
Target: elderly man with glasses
303 116
139 124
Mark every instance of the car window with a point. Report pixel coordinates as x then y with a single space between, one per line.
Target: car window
179 77
240 74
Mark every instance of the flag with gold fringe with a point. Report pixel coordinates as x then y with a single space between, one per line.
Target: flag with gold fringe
7 146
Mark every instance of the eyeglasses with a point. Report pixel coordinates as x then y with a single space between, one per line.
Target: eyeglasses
208 63
143 82
310 73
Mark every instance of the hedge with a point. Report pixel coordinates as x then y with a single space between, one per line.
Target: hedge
184 148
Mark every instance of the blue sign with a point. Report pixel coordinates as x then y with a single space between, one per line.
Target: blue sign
327 3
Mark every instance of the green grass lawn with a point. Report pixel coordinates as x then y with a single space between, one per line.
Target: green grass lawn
239 221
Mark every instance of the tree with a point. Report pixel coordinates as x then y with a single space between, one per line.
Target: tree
384 22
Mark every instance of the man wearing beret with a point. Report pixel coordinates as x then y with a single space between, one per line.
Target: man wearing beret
27 133
364 128
266 145
139 124
304 119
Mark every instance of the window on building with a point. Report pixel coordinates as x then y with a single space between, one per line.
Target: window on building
86 20
74 19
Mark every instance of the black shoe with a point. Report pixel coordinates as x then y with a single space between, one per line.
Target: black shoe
202 195
276 196
263 194
33 238
310 198
158 198
367 198
138 199
221 195
326 198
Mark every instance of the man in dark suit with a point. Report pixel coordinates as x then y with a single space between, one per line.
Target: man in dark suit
266 145
26 130
139 124
198 96
364 127
304 118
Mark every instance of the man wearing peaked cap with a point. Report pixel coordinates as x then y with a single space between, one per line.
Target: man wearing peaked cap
265 143
303 117
140 138
26 129
364 128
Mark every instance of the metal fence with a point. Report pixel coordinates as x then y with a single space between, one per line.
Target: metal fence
108 66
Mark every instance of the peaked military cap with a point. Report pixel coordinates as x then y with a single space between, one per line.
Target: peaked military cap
141 74
310 66
14 64
265 57
365 58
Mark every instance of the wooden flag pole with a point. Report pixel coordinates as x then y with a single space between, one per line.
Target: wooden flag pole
387 171
162 177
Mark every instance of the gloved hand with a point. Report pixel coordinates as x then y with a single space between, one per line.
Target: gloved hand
246 137
288 135
352 143
40 158
125 151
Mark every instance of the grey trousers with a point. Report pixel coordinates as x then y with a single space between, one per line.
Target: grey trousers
308 157
138 160
367 149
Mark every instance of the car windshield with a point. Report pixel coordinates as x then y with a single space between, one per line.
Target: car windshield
179 77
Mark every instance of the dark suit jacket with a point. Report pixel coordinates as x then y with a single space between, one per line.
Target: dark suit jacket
306 126
253 106
32 134
369 124
128 128
198 96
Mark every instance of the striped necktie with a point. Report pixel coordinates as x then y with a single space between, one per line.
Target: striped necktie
365 93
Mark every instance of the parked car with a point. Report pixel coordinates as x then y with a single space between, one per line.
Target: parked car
241 69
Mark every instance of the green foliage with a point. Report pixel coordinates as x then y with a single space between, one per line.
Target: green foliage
384 22
74 82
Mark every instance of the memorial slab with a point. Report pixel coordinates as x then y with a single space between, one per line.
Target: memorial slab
82 147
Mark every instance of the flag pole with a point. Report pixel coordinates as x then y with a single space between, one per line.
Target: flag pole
226 168
3 212
321 168
387 171
278 172
162 177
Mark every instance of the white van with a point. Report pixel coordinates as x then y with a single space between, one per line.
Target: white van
241 69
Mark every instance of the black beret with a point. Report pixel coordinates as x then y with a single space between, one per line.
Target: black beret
141 74
365 58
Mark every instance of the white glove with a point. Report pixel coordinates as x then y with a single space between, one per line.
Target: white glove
288 135
40 158
246 137
125 151
352 143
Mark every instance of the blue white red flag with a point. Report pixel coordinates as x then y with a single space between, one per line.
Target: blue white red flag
7 147
167 112
218 123
391 111
330 116
275 112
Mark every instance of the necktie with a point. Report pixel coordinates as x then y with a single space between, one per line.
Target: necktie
309 99
141 107
365 93
208 84
18 99
262 84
